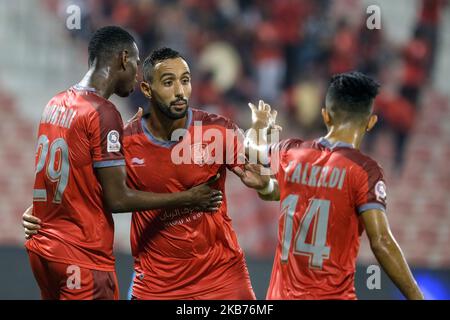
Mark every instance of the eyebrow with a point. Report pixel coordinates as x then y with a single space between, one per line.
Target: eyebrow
173 74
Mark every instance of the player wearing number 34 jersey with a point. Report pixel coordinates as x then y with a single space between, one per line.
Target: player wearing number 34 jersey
100 147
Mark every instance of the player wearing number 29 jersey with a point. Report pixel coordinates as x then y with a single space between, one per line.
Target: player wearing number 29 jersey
79 131
79 135
323 188
81 177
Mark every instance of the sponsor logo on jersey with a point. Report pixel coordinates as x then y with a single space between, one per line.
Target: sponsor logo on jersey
137 161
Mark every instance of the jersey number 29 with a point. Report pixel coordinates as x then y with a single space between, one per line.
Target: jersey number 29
317 250
60 174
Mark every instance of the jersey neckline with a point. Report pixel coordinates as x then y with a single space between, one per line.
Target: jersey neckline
164 144
338 144
79 87
83 88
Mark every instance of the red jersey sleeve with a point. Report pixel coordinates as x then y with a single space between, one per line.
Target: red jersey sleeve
370 188
106 136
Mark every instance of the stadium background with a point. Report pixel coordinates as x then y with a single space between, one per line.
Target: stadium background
283 51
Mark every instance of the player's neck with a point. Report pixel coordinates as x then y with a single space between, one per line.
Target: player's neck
345 133
161 126
100 80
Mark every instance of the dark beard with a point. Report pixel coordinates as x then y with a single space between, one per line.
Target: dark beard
165 109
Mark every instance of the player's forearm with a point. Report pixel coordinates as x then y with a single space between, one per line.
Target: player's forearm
135 200
391 258
256 145
257 135
119 198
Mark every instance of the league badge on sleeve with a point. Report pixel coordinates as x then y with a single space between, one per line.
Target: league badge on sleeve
380 191
113 142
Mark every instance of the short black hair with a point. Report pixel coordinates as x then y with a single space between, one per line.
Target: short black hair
350 95
156 56
107 41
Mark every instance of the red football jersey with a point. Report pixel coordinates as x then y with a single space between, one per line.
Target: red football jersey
323 189
181 253
79 131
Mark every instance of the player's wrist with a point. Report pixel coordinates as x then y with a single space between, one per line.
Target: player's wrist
268 189
260 129
187 198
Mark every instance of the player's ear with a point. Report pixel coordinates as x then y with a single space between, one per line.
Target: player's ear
326 117
372 121
124 56
146 90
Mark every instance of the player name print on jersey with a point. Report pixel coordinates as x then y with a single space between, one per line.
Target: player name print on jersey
315 176
58 115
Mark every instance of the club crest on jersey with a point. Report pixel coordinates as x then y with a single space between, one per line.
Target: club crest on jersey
380 191
113 142
200 153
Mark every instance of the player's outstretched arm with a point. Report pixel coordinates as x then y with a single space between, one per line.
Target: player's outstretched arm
119 198
389 254
263 122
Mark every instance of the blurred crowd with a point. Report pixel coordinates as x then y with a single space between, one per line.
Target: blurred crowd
282 51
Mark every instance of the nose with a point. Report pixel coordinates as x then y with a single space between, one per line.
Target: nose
179 90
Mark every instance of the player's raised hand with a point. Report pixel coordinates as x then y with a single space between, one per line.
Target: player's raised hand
251 175
30 223
263 117
205 198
